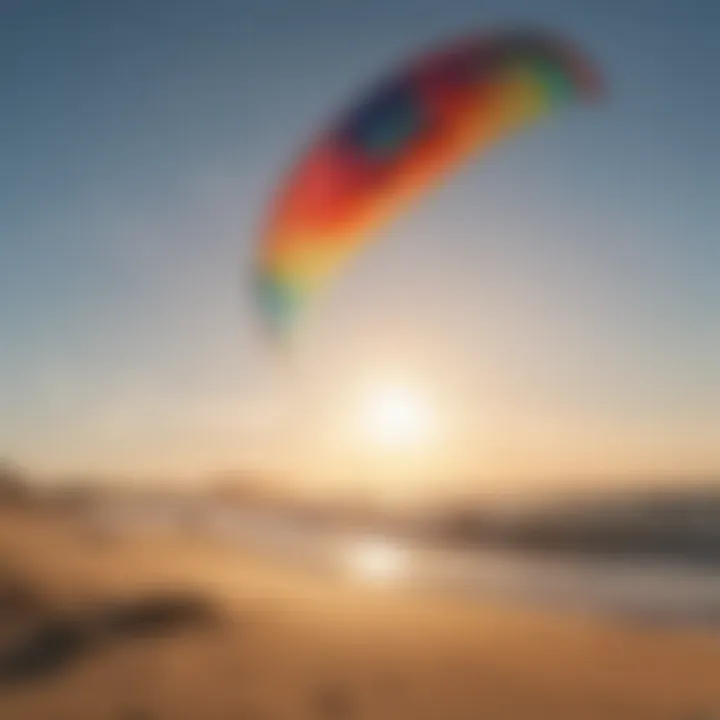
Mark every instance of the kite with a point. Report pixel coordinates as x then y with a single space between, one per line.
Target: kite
403 138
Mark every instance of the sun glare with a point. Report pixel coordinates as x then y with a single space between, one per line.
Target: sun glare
376 560
397 415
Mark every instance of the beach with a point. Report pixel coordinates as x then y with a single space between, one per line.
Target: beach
169 625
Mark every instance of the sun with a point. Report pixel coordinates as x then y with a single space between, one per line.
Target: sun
395 415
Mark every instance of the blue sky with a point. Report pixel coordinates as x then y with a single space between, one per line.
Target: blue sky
567 281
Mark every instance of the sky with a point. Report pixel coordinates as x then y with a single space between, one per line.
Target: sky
557 299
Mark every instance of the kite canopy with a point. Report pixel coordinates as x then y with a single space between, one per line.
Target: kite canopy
400 141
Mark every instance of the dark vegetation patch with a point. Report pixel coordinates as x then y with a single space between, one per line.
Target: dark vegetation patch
57 641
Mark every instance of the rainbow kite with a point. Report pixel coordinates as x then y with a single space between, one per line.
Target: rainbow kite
440 109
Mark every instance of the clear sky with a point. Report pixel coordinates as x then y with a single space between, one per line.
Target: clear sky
558 299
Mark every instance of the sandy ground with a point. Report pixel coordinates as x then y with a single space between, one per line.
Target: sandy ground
173 628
